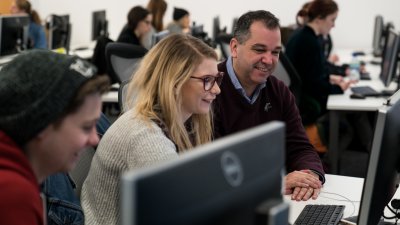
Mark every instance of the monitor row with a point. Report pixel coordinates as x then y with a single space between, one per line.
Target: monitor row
14 31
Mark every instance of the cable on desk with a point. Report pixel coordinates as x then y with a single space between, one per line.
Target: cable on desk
340 200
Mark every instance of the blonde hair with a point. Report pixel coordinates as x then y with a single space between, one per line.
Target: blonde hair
157 84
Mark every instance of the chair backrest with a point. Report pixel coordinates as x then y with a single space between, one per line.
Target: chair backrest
223 41
286 72
81 170
123 60
122 91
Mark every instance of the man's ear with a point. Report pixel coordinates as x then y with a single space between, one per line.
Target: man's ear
234 44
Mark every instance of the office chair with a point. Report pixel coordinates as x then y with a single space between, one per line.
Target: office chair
81 170
122 91
223 40
286 72
123 59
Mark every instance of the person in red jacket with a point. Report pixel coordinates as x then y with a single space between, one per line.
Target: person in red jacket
50 104
251 96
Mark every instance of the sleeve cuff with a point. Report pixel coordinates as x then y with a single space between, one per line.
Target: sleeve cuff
320 175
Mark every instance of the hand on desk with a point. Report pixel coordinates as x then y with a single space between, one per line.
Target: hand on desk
302 185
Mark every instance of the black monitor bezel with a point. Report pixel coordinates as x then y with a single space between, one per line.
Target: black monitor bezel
267 183
389 62
383 168
22 22
99 24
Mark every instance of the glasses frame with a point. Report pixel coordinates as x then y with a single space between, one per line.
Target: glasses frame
215 79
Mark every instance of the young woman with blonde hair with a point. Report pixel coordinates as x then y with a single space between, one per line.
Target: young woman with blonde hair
173 91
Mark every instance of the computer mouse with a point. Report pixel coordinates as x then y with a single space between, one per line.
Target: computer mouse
357 96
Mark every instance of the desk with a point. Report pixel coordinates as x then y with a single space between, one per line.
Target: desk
110 97
334 188
342 103
335 191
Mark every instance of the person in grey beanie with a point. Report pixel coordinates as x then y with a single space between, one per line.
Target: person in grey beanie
49 106
180 23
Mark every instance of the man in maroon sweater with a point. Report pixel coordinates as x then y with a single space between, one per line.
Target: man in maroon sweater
250 96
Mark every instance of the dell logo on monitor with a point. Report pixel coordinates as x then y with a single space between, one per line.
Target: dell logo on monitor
232 168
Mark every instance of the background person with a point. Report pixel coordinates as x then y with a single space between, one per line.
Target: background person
53 102
157 8
139 24
174 88
37 35
181 21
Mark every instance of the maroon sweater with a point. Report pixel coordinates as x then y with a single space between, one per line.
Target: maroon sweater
233 113
20 201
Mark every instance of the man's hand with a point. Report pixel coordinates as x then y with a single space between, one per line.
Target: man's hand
302 185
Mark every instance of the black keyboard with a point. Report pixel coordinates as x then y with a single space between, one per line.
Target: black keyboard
365 90
320 214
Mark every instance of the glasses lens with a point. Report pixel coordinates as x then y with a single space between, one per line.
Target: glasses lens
208 82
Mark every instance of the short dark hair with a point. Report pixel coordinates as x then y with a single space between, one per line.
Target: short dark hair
135 15
242 28
321 9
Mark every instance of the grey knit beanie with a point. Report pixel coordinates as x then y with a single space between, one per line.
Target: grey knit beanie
35 89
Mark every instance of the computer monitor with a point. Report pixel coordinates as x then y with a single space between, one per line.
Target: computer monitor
383 168
198 31
59 32
223 182
99 24
216 28
390 58
13 34
377 41
234 22
157 37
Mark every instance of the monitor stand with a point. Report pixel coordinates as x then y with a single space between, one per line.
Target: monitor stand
272 212
354 219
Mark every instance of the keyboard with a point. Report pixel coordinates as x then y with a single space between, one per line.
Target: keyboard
365 90
320 214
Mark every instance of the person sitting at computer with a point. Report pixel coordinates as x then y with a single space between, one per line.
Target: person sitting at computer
305 51
173 89
139 24
251 96
157 8
181 21
51 103
37 35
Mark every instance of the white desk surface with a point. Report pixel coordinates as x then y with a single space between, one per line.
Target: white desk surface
344 102
334 192
110 97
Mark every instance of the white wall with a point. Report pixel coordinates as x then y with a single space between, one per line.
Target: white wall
353 29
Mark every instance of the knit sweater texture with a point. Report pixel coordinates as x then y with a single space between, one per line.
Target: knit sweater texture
130 143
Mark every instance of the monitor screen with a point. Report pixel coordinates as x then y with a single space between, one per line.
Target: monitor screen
222 182
390 57
377 42
99 24
59 31
157 37
198 31
13 34
383 167
216 27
